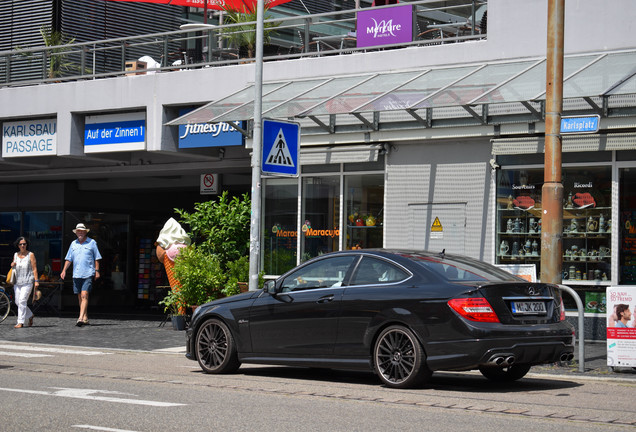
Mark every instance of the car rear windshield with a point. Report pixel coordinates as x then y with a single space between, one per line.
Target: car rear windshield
460 269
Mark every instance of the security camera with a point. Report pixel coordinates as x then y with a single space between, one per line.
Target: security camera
494 165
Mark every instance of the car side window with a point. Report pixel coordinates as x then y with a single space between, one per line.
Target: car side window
320 274
372 271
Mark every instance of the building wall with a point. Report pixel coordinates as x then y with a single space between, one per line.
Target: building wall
440 175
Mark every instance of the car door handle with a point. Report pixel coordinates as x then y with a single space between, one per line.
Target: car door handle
325 299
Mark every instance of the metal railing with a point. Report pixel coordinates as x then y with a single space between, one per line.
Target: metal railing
333 33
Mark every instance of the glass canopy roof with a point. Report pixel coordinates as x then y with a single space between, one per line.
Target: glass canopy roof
520 81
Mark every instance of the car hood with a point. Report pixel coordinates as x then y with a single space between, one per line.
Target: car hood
231 299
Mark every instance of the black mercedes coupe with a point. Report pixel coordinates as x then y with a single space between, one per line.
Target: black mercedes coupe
403 314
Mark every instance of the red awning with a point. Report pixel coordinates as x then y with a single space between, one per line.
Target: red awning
234 5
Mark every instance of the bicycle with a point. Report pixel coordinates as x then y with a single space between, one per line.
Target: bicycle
5 305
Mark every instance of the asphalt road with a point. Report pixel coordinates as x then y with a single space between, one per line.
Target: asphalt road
49 387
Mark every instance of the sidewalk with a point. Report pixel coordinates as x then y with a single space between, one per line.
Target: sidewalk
148 334
128 333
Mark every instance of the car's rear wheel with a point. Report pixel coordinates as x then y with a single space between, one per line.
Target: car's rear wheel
399 358
215 348
510 373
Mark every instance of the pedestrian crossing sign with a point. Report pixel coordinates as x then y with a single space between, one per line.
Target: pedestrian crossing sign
281 148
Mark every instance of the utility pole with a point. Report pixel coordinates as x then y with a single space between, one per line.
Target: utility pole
552 190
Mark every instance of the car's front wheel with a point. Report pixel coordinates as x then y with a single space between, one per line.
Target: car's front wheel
215 348
399 358
510 373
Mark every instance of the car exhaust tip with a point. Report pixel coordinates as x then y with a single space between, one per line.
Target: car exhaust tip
510 360
566 357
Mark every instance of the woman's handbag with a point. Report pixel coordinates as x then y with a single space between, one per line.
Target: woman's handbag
11 277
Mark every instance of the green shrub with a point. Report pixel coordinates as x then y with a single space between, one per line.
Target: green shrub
220 228
200 274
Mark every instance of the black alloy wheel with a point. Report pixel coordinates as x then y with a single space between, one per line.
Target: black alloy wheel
399 358
505 374
215 348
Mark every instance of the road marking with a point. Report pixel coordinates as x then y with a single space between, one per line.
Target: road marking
12 354
76 393
100 428
177 350
52 350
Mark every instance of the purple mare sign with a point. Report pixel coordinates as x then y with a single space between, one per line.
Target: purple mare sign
385 26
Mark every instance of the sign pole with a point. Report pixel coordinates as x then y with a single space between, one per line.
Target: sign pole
257 149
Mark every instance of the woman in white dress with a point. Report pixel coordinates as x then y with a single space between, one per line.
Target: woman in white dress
26 272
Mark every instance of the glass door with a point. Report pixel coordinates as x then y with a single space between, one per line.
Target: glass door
364 198
320 218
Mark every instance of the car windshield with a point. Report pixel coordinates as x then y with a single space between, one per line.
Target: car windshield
462 269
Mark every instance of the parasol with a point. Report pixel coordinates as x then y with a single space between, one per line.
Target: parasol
224 5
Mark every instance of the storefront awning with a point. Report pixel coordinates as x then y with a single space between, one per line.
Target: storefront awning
570 143
484 91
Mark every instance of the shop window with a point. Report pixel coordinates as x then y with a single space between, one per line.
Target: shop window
111 232
320 231
364 203
327 202
586 222
280 222
10 223
627 211
44 231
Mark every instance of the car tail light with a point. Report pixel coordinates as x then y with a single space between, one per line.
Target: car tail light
562 307
474 309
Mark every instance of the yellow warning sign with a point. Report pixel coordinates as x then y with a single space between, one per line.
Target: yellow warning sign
437 226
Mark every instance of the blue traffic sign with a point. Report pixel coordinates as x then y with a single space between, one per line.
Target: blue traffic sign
281 148
580 124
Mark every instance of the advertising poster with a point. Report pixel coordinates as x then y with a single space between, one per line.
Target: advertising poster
621 326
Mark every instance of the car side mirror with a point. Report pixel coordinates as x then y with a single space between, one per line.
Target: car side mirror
270 286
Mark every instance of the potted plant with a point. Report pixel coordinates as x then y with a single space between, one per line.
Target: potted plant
219 256
173 302
243 35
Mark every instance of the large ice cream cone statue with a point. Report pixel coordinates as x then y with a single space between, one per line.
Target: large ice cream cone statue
172 239
174 282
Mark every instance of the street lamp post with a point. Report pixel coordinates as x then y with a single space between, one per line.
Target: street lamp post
257 149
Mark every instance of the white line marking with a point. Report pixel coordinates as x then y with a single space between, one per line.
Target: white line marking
87 394
101 428
178 349
51 350
11 354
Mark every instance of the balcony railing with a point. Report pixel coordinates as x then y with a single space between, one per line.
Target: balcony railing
434 22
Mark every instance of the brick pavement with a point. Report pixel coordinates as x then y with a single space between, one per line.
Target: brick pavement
130 333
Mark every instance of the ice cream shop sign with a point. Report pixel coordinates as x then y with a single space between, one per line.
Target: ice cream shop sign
385 26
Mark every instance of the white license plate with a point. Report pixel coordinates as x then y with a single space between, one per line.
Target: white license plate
528 308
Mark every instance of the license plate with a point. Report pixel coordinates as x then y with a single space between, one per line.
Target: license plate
528 308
